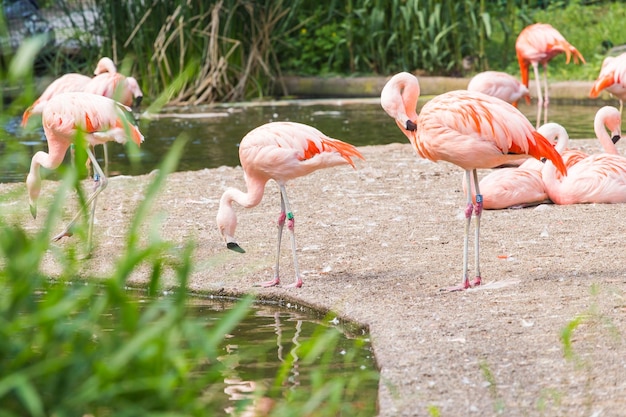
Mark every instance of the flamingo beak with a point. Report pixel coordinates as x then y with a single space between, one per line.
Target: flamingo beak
235 247
411 126
615 138
33 210
138 101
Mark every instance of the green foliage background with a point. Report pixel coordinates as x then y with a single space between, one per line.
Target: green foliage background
239 49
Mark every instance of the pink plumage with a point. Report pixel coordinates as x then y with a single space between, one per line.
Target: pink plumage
101 119
501 85
538 44
469 129
612 78
279 151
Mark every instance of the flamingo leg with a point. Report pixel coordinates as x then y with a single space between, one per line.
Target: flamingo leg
478 211
106 158
290 225
546 100
470 209
539 96
281 224
100 186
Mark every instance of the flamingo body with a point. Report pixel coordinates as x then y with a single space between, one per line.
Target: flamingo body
280 151
101 120
124 89
538 44
469 129
67 83
501 85
612 78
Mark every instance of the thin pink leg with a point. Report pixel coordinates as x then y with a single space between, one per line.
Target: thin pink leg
478 211
281 223
469 208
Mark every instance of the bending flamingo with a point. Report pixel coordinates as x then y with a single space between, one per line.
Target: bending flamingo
612 78
538 44
469 129
279 151
65 84
114 85
100 119
501 85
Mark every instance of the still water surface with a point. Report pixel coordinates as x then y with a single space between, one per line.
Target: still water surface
215 132
271 336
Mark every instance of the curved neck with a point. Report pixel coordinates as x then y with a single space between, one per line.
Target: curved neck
603 136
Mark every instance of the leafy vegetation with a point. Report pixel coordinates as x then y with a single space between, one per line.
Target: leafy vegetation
80 345
239 49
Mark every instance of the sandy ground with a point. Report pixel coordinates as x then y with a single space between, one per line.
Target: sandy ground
377 244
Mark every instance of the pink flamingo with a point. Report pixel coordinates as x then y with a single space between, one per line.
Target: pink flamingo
114 85
66 115
280 151
522 186
598 178
612 78
501 85
469 129
537 44
65 84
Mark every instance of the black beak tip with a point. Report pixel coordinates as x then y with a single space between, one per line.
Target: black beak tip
235 247
411 126
616 138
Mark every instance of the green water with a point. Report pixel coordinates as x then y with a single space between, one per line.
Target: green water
215 132
272 336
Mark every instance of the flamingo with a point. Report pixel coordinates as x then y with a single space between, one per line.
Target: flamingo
280 151
523 186
597 178
537 44
501 85
65 84
612 78
114 85
100 119
469 129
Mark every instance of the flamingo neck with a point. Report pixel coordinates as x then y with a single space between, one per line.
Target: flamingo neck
604 137
226 216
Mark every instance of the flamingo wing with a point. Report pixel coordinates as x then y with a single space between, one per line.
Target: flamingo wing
102 118
285 150
474 130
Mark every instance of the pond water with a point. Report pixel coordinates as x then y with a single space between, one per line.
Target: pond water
271 336
215 132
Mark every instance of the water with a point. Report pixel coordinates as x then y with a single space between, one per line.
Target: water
215 132
270 336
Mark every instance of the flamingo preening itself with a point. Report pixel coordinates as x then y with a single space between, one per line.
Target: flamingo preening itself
67 115
471 130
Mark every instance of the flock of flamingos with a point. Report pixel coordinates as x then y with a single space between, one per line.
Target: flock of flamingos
477 128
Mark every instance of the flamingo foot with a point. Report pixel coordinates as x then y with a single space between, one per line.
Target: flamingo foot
271 283
65 233
297 284
464 285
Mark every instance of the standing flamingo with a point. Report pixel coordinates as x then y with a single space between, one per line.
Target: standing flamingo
612 78
65 84
538 44
469 129
66 115
280 151
501 85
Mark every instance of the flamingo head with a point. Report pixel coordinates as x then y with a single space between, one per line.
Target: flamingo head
227 222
